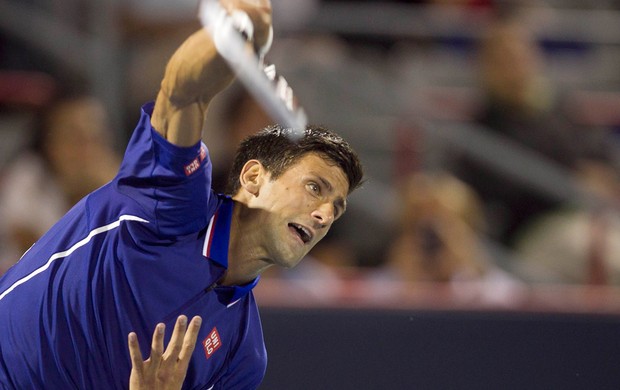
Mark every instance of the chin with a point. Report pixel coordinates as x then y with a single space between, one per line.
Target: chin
289 256
289 262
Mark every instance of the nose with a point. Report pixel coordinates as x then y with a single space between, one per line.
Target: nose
324 214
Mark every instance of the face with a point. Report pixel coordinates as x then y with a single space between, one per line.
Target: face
511 48
83 123
298 208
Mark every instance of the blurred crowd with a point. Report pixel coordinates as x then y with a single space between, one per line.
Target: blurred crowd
67 154
463 219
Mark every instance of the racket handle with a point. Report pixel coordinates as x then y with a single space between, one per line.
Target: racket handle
231 34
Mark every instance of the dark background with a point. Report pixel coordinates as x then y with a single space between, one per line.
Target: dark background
412 349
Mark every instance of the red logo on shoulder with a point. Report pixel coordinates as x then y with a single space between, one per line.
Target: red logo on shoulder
212 343
195 164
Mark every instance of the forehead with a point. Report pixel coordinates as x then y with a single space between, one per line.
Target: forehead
317 165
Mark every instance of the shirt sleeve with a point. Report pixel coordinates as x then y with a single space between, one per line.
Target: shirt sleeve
171 184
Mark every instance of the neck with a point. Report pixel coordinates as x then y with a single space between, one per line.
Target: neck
245 261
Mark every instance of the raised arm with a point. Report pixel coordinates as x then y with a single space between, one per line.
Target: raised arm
196 73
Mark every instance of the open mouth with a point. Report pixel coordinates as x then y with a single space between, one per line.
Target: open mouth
303 233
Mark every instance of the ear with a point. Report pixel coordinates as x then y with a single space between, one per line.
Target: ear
251 176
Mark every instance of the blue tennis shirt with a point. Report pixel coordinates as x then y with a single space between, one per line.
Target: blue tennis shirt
145 248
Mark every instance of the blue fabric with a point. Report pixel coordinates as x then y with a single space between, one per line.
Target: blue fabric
127 256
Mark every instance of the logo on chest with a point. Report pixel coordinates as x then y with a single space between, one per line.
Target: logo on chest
212 343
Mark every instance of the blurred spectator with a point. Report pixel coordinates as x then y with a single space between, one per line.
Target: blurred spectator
574 247
438 235
440 242
21 94
43 182
522 104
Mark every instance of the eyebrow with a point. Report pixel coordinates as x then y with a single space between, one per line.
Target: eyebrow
326 183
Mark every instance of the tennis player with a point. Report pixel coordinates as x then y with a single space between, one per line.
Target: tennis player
156 243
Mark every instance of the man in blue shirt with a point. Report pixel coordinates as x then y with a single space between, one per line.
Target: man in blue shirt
157 242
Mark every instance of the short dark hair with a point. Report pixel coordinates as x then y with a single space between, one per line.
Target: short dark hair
277 151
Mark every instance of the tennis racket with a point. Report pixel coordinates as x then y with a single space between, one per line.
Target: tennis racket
231 34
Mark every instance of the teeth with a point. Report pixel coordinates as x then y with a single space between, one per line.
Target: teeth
306 232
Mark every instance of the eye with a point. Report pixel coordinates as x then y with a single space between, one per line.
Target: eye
314 188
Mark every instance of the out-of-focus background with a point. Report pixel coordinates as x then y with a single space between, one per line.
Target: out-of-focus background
483 250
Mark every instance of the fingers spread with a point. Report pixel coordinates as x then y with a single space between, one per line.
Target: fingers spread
164 369
134 352
189 341
176 341
157 346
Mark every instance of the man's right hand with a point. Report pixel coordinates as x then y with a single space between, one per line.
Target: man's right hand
259 12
